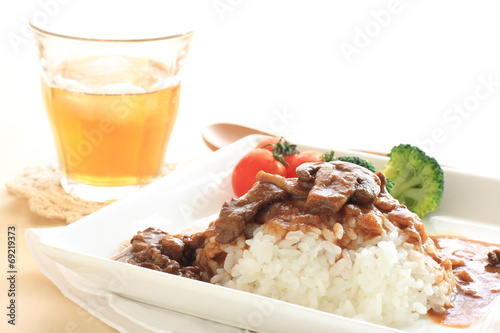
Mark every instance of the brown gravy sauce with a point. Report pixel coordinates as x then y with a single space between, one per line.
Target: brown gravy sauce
478 281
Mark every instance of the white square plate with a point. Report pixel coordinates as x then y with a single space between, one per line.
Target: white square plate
197 191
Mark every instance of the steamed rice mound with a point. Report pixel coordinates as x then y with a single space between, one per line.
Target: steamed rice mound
383 282
369 260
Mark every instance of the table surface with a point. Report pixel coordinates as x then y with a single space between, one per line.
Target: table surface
402 86
41 306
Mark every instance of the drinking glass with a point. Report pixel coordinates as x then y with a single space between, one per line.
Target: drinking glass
112 106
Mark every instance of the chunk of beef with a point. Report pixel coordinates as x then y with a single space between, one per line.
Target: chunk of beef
236 213
143 239
370 223
409 222
494 257
289 185
157 250
334 184
172 247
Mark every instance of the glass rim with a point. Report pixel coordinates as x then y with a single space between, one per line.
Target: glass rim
39 30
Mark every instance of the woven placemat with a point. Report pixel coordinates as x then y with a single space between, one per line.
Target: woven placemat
41 186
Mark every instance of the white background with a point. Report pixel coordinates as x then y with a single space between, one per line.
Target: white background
280 66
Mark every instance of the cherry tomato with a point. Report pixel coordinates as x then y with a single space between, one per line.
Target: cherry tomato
297 159
247 168
269 143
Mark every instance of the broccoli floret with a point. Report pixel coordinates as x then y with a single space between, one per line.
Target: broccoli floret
418 179
329 156
389 183
359 161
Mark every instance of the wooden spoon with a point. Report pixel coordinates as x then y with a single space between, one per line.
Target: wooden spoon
219 135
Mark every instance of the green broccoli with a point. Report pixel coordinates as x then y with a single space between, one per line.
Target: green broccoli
389 183
418 179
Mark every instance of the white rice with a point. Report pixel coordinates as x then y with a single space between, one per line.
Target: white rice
384 281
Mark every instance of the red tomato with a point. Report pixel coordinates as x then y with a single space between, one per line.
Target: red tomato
268 143
247 168
297 159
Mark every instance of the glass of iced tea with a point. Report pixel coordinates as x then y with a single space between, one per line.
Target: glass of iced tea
112 105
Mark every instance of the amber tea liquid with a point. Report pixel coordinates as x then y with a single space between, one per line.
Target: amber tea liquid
110 139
